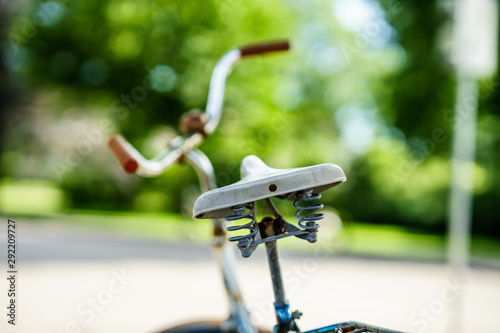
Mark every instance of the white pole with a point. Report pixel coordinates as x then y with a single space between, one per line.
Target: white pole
462 181
462 172
475 35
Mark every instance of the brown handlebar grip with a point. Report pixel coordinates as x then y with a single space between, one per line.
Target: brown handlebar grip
250 50
123 152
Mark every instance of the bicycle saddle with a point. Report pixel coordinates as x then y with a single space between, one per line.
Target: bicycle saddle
260 181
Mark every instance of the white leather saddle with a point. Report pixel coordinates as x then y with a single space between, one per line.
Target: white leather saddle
259 181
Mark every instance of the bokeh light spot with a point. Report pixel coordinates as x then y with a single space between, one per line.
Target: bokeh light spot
162 78
17 59
126 44
128 12
49 13
358 126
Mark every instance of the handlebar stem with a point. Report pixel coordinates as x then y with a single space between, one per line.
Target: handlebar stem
175 150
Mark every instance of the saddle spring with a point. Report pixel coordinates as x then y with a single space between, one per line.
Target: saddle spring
308 222
239 213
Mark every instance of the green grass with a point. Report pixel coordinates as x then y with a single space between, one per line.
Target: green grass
392 241
162 226
485 251
31 197
398 242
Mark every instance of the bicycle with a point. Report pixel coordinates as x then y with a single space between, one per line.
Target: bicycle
236 202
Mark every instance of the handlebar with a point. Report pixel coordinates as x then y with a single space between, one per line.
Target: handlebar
264 48
124 153
133 162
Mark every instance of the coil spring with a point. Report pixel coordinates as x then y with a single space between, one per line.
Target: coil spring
239 213
308 222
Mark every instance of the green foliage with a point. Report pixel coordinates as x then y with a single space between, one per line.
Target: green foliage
374 99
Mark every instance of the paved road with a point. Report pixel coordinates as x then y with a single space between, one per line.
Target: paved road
61 242
75 280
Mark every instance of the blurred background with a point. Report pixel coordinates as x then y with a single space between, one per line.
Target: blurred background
368 85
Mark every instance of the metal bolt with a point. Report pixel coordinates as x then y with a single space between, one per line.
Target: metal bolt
311 224
296 314
243 243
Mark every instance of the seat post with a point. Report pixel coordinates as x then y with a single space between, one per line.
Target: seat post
282 308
